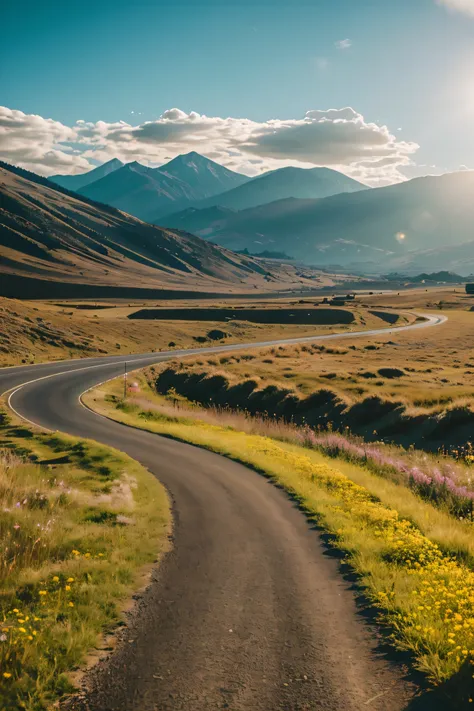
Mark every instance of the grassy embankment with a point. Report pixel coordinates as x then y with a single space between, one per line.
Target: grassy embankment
412 387
81 525
33 332
415 561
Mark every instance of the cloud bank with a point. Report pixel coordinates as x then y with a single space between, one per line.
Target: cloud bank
38 144
339 138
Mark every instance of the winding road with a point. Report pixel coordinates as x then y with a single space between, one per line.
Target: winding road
248 610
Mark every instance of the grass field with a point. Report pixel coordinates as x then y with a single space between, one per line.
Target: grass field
81 526
414 561
34 332
410 387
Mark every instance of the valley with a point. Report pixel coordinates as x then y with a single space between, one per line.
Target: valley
316 216
57 244
257 373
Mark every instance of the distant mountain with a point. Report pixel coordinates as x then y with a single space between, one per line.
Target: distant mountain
304 183
49 235
428 219
205 176
443 276
76 182
139 190
149 193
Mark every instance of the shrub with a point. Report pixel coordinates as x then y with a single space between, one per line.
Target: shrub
391 372
216 334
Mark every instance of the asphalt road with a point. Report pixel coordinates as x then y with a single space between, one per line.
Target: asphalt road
248 610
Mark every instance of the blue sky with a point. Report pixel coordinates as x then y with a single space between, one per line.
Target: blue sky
409 66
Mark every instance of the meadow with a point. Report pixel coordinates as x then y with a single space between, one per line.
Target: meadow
81 526
414 558
34 331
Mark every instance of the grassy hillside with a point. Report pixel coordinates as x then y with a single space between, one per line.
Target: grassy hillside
52 235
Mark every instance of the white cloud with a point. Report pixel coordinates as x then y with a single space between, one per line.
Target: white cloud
343 44
340 138
466 6
38 144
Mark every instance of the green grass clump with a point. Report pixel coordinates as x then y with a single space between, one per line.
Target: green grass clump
79 523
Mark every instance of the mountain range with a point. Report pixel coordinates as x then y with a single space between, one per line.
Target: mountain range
422 223
284 183
50 235
76 182
152 194
148 193
316 216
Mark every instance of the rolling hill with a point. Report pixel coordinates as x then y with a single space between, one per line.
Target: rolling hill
76 182
389 227
149 193
50 236
290 182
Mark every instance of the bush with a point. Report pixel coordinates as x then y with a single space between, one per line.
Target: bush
391 372
216 334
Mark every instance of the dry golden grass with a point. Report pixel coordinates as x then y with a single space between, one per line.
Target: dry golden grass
436 366
39 331
413 387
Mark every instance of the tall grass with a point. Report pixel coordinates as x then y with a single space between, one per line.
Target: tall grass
78 522
441 479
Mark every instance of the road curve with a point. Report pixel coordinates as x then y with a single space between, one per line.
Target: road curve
247 611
